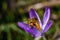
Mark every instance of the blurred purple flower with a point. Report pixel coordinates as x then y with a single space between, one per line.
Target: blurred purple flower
45 24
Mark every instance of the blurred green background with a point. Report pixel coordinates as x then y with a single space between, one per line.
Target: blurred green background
12 11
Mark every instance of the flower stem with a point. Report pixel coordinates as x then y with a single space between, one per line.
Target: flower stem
37 38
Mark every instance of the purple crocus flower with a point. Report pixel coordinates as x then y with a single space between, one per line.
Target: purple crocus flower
44 25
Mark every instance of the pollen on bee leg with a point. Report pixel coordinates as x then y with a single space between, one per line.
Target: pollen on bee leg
37 25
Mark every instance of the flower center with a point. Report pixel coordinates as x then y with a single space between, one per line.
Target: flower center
34 22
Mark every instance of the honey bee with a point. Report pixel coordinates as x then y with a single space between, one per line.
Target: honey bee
34 22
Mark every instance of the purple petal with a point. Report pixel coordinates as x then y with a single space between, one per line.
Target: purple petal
34 14
27 28
34 32
47 26
23 25
46 17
